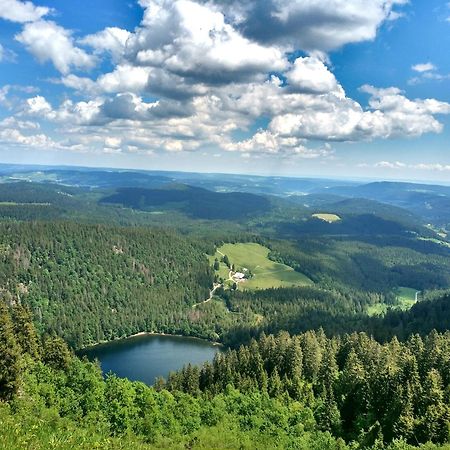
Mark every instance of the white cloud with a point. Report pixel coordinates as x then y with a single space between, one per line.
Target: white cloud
110 40
38 106
4 91
7 55
433 167
13 122
47 41
329 117
16 137
309 74
124 78
310 25
390 165
193 41
21 12
424 67
206 72
264 141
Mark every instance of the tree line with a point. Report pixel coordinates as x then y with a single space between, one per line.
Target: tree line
280 392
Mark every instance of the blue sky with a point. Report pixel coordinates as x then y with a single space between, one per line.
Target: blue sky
344 88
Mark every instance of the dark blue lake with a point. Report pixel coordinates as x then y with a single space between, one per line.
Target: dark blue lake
146 357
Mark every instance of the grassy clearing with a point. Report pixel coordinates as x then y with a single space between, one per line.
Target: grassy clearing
330 218
435 241
266 273
23 204
406 298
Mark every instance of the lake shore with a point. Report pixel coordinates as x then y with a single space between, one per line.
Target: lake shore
149 333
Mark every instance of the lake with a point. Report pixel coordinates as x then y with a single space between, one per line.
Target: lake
146 357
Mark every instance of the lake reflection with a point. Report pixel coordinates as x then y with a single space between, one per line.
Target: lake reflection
146 357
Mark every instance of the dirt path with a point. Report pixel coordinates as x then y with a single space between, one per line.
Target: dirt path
211 295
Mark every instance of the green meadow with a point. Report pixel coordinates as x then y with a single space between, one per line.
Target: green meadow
406 298
330 218
266 273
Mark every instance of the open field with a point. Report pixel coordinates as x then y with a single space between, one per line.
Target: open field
266 273
406 299
23 204
436 241
330 218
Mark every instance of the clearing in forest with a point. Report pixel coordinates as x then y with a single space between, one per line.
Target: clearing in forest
406 297
252 258
330 218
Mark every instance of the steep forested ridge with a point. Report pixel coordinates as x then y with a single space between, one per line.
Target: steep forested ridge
93 283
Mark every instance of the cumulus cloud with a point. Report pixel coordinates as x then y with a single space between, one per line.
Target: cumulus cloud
336 118
192 40
47 41
38 106
17 132
311 25
110 40
193 73
423 67
21 12
310 74
266 142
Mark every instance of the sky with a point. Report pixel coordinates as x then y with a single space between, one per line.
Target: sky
331 88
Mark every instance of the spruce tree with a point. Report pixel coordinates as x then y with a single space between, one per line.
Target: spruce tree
10 357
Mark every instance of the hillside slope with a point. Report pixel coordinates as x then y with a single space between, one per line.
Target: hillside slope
93 283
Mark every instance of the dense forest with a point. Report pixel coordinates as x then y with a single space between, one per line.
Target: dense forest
85 264
118 281
300 392
126 280
123 280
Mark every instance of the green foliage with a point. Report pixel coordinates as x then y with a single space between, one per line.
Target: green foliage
95 283
195 202
358 389
10 358
252 257
281 392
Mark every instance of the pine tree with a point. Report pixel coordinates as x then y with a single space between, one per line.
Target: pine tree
10 357
294 359
275 385
312 355
327 414
55 353
25 332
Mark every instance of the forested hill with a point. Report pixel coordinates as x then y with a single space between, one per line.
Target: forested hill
303 392
196 202
94 283
358 389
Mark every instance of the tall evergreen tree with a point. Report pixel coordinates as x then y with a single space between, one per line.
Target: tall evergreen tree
10 357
